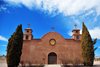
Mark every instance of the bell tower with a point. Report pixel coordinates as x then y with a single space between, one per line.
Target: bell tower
28 33
76 33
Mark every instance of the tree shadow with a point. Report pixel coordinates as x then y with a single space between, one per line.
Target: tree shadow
96 66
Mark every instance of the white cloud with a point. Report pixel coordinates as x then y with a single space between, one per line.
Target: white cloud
70 33
3 39
98 47
95 33
67 7
90 12
2 8
95 19
75 20
3 45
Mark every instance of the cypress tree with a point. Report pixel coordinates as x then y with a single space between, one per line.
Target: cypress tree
87 46
14 47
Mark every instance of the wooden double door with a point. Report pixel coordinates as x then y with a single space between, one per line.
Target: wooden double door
52 58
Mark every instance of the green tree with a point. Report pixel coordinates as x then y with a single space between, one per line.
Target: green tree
3 55
87 46
14 47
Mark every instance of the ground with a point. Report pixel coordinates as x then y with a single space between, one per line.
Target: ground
96 64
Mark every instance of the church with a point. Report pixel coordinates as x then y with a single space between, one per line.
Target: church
51 47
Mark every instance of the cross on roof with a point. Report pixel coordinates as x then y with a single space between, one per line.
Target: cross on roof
52 28
75 26
28 25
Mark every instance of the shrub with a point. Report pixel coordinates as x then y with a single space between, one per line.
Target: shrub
76 61
30 63
22 63
41 65
65 60
36 63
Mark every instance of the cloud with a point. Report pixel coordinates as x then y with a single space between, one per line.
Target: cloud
95 19
67 7
4 8
70 33
3 45
90 12
98 47
75 20
95 33
3 39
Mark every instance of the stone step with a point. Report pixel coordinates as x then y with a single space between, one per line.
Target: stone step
52 65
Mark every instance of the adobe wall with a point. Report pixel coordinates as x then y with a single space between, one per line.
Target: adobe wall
37 49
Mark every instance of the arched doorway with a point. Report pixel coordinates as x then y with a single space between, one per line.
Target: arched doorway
52 58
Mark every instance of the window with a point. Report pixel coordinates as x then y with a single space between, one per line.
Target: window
77 37
27 30
26 37
52 41
76 31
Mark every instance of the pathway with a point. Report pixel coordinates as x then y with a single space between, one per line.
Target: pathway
52 65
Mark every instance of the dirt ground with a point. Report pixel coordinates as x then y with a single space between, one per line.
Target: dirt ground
3 64
96 64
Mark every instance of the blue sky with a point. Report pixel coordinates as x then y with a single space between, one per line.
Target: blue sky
43 14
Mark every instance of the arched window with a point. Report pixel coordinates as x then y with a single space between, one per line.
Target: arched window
26 37
76 31
77 37
27 31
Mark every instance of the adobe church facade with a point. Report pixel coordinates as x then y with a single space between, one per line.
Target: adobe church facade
51 47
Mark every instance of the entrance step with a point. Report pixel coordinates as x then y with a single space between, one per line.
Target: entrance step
52 65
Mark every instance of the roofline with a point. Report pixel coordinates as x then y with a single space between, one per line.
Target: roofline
75 29
27 29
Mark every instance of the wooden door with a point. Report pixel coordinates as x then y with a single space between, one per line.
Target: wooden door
52 59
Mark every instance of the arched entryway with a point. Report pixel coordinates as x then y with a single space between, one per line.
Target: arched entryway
52 58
